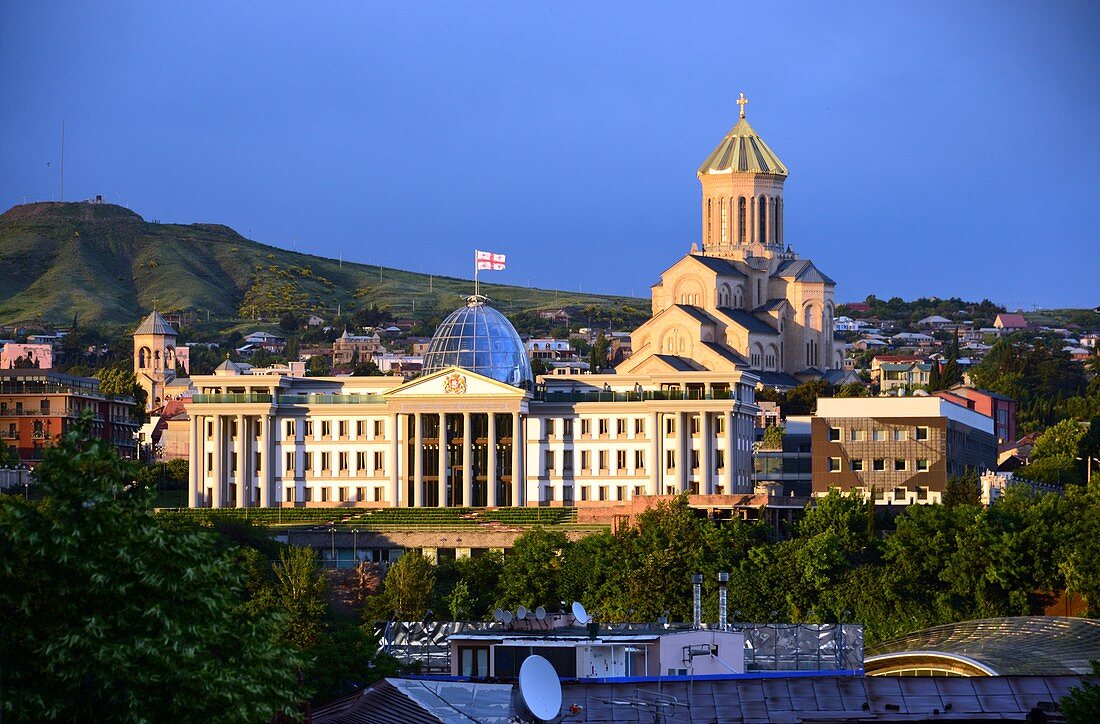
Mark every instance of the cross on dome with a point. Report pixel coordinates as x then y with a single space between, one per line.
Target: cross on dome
742 101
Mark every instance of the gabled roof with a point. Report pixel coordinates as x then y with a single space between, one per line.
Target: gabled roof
1010 320
802 270
747 321
719 266
726 353
695 313
680 364
781 380
155 324
771 305
743 151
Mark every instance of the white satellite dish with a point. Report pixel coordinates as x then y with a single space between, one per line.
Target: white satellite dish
579 613
521 613
507 617
498 614
539 689
540 613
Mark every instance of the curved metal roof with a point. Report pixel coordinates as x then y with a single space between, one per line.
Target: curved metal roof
1038 645
478 338
744 151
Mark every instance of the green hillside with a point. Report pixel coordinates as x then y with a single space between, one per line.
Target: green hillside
104 264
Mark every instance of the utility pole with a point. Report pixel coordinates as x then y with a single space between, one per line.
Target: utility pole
61 192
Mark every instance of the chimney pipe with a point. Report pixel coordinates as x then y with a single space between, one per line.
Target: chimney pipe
697 599
723 580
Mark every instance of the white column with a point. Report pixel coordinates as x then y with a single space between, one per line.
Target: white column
219 462
491 475
240 445
441 484
418 462
729 481
655 461
683 447
707 462
467 463
392 456
195 462
267 490
517 459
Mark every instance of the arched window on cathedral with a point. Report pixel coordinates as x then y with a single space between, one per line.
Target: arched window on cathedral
759 292
776 209
725 220
709 237
741 220
762 215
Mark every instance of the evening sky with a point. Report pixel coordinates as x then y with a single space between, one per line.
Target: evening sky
934 148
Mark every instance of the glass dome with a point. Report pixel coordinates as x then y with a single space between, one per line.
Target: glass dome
480 339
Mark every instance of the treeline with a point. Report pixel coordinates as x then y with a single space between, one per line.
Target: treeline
110 612
928 565
1047 385
981 313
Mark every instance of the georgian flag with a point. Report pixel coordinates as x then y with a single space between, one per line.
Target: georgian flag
489 260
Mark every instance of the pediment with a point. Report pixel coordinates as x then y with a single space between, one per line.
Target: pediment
455 383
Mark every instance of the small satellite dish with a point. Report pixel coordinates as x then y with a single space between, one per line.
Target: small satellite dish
579 613
539 689
540 613
498 614
507 617
521 613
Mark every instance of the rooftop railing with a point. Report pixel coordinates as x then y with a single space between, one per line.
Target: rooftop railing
634 396
330 399
230 398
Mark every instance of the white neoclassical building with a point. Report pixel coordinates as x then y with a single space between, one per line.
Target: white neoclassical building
473 430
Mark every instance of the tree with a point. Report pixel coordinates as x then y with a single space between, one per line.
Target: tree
9 456
530 574
118 617
114 382
598 355
965 489
1082 704
772 439
408 586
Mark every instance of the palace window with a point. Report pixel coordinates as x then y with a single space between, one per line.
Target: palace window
379 463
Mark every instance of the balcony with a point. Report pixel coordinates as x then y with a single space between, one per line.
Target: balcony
634 396
330 400
233 398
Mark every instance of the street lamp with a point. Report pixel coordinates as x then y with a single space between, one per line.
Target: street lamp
1089 459
355 545
332 530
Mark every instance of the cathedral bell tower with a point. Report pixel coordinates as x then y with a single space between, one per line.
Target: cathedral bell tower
154 358
742 182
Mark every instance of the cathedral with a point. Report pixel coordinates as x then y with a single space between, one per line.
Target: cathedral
743 299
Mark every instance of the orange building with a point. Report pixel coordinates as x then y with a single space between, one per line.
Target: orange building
37 406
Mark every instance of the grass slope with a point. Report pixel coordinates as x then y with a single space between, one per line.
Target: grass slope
104 264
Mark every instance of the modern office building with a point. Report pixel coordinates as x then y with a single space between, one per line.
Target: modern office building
898 450
473 430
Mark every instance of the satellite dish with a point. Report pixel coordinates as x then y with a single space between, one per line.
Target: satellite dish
539 689
498 614
521 613
540 613
579 613
507 617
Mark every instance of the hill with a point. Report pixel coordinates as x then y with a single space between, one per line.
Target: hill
105 264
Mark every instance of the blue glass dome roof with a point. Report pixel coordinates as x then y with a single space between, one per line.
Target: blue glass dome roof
480 339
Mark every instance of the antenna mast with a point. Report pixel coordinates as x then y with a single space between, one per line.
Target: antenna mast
61 193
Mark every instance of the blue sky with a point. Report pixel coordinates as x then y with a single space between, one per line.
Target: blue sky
934 148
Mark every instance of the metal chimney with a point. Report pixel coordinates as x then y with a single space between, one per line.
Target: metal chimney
723 580
697 599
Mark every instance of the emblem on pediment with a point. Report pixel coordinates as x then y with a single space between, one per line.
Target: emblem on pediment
454 384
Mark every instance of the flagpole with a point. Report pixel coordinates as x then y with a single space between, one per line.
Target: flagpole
476 288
